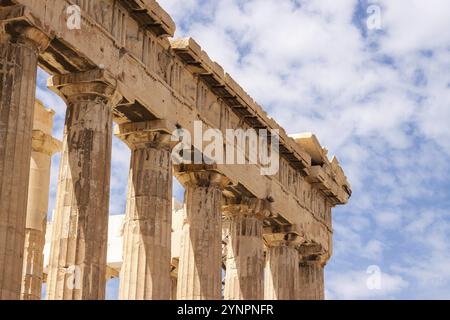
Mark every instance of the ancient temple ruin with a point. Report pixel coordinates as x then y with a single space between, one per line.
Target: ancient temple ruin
271 234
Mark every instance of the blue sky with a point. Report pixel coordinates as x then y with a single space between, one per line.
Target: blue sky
378 99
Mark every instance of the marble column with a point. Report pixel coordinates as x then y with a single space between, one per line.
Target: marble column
311 280
173 294
281 272
199 272
244 276
43 147
145 272
77 264
20 46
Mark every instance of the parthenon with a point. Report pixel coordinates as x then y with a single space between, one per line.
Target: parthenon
123 73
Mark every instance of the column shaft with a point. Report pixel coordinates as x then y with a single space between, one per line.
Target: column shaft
77 265
173 294
18 69
199 273
311 281
281 276
145 273
244 277
43 147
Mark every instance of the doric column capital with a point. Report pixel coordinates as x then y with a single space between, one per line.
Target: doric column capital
97 84
278 238
311 262
150 134
311 253
201 176
42 140
246 207
45 143
16 26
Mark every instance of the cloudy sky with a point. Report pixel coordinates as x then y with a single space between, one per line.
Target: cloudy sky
377 94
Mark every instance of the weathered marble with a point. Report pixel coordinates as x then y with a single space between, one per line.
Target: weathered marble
145 272
43 147
199 271
281 272
77 267
244 273
19 49
311 280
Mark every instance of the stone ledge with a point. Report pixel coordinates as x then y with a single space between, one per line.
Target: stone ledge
150 14
328 176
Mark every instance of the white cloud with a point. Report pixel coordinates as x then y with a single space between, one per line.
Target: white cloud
120 165
351 285
388 219
373 250
413 25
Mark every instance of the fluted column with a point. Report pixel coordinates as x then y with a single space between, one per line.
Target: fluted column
244 277
199 272
43 147
173 293
145 273
311 281
312 260
19 49
281 272
77 265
